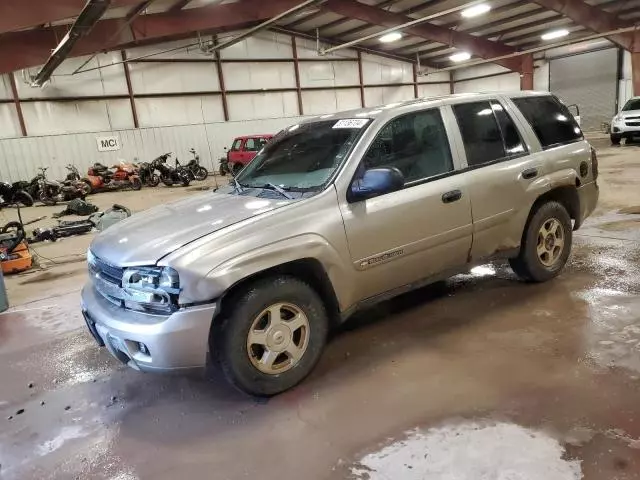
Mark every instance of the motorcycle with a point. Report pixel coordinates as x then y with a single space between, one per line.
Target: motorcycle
73 174
148 175
119 177
51 192
198 171
12 194
224 163
170 175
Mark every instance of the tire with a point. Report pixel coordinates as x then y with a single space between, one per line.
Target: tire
201 174
615 139
167 180
235 168
530 264
24 198
186 180
230 337
89 187
136 184
154 180
47 200
222 171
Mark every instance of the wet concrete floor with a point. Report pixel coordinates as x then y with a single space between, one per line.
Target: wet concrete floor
482 377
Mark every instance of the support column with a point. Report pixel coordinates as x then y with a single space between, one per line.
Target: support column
223 90
635 72
415 81
360 79
452 87
526 73
16 102
296 66
132 101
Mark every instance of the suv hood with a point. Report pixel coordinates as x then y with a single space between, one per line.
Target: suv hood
629 113
146 237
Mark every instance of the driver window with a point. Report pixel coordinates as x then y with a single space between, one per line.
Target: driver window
415 143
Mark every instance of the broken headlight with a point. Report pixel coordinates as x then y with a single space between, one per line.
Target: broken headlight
151 289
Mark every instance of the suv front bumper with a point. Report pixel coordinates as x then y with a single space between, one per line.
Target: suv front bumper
154 343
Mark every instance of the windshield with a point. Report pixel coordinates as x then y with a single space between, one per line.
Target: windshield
304 156
633 104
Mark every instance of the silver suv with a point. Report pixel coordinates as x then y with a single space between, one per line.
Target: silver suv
626 124
337 213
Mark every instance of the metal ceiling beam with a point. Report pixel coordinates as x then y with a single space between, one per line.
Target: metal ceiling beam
91 13
595 19
179 5
337 23
480 47
20 14
29 48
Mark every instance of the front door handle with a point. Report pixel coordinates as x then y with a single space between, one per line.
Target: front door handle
530 173
451 196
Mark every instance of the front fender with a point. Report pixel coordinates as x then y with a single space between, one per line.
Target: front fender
252 262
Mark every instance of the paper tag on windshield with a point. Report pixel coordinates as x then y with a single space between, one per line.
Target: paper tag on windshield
351 123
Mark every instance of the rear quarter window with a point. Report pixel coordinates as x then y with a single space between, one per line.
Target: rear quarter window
551 121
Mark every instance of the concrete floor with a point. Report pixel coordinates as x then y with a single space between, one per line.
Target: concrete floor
483 378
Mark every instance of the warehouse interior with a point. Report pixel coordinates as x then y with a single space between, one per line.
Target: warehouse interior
123 105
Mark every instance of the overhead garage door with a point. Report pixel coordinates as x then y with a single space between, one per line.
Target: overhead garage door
588 80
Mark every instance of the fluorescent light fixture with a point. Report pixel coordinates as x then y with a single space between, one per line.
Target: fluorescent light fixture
476 10
391 37
555 34
460 57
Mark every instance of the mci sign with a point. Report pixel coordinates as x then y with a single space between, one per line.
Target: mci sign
108 144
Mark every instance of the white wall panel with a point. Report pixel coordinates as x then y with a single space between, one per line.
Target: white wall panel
251 76
9 124
500 83
374 96
626 64
317 102
155 112
262 105
307 49
173 77
383 70
434 77
328 74
47 118
541 76
262 45
106 81
186 51
5 87
434 90
478 71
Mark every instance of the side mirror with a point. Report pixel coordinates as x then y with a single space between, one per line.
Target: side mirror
376 182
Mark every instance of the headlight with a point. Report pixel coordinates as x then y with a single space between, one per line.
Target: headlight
151 289
616 119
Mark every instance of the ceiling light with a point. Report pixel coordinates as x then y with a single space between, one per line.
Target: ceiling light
391 37
460 57
476 10
555 34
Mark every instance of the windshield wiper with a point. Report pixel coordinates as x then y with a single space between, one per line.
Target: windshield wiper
237 186
276 188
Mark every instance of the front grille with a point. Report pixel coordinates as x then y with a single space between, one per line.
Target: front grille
633 123
106 271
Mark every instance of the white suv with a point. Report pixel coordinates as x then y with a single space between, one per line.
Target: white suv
626 124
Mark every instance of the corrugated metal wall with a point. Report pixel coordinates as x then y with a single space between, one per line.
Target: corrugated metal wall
179 104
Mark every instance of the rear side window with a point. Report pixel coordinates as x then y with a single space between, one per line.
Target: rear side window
550 120
480 133
252 145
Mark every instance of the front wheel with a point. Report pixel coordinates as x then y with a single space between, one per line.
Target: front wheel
24 198
136 183
615 139
201 174
47 200
153 180
546 244
235 168
272 335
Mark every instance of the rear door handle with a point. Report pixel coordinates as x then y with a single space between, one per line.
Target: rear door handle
530 173
451 196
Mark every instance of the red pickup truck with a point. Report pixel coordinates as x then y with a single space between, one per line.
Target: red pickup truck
242 151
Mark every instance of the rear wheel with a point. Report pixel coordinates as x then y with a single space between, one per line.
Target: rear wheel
88 187
546 244
272 336
615 139
24 198
201 173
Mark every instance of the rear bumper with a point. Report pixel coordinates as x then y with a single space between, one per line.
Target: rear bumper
588 195
175 343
